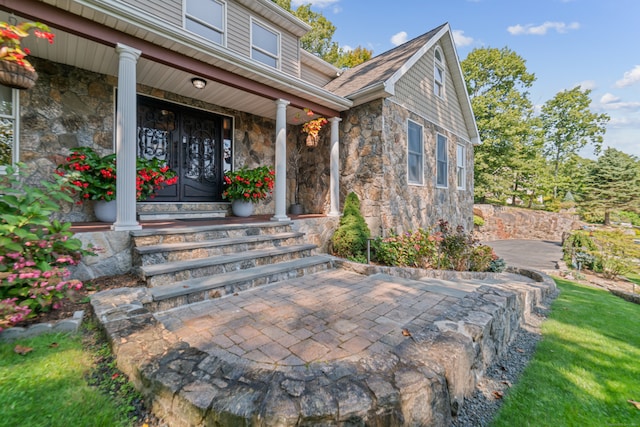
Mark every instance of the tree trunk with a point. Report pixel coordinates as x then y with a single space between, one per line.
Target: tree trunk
607 218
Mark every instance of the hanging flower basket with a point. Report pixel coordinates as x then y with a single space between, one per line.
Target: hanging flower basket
17 76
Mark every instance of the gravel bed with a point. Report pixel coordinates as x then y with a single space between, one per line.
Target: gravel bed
479 409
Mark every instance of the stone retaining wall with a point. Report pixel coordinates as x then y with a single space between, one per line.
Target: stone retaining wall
504 222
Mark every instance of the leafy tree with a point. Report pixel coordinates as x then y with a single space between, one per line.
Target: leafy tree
497 82
319 40
613 184
569 125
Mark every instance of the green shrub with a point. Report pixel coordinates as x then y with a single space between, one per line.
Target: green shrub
456 247
411 249
579 247
350 239
478 221
616 252
481 258
35 253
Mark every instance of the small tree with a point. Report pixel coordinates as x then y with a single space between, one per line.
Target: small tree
350 239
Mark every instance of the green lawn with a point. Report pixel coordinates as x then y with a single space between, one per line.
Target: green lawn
47 386
586 367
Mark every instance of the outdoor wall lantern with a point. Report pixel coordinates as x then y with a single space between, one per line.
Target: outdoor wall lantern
198 83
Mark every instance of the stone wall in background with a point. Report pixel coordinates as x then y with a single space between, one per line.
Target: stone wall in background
504 222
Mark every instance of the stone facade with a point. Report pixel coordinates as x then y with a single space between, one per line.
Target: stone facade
504 222
373 159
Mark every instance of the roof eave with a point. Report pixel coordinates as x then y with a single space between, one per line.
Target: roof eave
375 91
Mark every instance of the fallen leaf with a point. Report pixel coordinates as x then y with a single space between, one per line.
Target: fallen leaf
406 332
22 350
54 345
519 350
507 383
634 403
498 394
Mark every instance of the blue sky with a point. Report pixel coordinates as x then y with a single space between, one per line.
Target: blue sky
565 43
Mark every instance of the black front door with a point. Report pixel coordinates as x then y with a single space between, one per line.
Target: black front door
190 141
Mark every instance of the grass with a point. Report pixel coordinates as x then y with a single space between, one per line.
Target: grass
48 385
586 367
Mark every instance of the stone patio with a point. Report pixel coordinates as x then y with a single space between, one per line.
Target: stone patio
332 348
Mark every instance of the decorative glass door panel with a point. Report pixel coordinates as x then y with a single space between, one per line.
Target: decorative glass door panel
190 142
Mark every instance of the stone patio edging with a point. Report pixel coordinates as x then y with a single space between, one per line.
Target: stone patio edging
423 382
71 324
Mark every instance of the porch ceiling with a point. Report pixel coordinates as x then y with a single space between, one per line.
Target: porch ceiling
81 52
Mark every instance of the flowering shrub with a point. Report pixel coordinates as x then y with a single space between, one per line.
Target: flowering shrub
249 185
443 249
12 35
90 176
35 253
411 249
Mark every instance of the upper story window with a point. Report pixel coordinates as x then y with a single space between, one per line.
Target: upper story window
265 44
441 161
438 73
8 127
415 153
461 167
206 18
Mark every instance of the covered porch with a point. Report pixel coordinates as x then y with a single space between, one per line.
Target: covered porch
163 60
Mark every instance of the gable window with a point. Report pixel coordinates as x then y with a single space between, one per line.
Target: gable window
461 171
8 127
265 44
441 161
415 153
438 74
206 18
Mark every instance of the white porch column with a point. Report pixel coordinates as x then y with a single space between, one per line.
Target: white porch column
280 194
126 140
334 186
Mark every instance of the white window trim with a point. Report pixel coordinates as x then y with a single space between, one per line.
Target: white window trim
15 116
222 31
421 182
446 153
277 57
461 165
439 65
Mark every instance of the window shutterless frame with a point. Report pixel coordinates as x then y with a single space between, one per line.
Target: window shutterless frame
207 18
265 44
415 153
461 170
442 162
438 73
9 127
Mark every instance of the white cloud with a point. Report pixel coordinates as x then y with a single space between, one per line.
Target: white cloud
460 39
587 85
611 102
629 78
399 38
347 48
317 3
541 30
609 98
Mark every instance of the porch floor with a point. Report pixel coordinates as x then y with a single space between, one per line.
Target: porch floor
89 227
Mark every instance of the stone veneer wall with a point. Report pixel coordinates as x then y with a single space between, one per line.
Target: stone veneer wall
505 222
373 159
70 107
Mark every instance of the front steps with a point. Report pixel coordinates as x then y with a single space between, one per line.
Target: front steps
148 211
191 264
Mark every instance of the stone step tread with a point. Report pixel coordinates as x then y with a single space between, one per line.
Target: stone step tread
172 267
145 232
151 215
220 280
227 241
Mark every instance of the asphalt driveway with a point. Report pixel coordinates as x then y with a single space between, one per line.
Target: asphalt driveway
535 254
